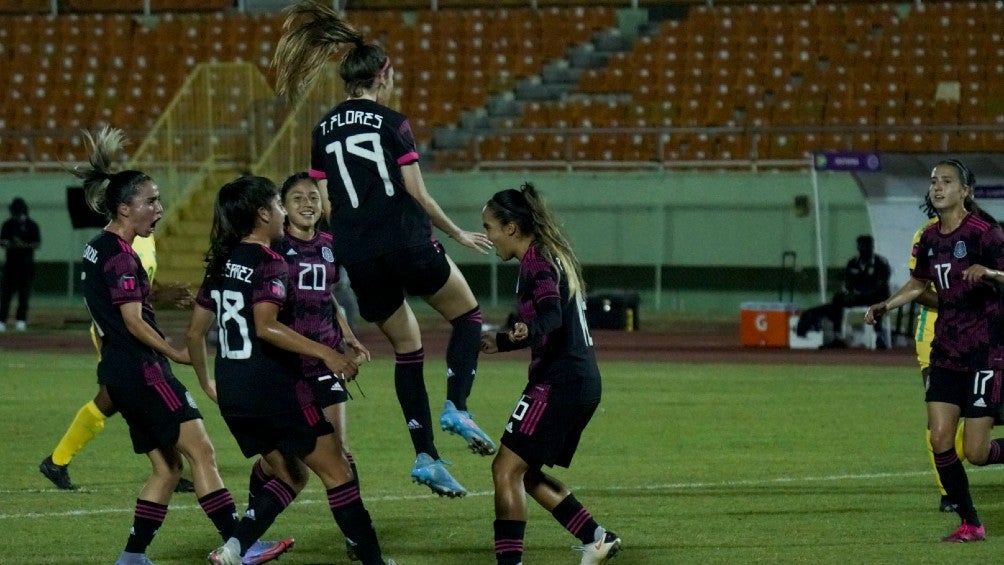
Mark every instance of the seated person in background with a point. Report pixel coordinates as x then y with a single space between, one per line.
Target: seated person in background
866 279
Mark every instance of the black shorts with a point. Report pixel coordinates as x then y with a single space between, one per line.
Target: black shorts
154 412
293 433
381 283
545 430
976 393
328 390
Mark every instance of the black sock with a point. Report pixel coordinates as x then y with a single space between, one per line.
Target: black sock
409 383
956 483
576 519
352 465
353 519
147 519
275 496
256 481
220 508
509 541
996 452
462 357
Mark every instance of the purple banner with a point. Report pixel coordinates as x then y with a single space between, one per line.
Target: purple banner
847 161
989 191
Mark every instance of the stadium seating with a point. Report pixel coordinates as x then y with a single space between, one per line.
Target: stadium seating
828 74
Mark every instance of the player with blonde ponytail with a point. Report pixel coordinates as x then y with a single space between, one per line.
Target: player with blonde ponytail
365 161
134 371
563 389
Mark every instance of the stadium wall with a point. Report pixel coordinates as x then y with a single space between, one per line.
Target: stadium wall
706 240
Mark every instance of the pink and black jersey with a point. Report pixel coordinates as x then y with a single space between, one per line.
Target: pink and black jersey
967 329
253 377
313 272
560 344
112 276
360 147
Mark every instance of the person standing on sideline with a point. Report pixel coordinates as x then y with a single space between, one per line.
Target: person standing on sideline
247 290
962 253
164 422
364 157
20 236
90 418
866 280
564 386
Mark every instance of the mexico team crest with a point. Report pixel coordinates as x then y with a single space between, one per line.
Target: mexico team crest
327 254
960 250
277 289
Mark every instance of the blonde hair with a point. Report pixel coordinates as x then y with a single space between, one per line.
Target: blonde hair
312 34
103 189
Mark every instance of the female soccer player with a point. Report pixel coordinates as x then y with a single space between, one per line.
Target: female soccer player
364 157
246 289
163 420
90 418
564 382
964 380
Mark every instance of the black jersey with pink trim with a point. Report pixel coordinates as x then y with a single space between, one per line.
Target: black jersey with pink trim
253 377
112 276
313 272
360 147
560 344
968 329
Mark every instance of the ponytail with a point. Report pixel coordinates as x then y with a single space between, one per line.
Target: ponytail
312 34
103 189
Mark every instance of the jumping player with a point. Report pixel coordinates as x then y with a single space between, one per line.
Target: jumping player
364 157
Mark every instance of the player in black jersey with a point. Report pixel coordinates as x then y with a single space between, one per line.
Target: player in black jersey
364 157
962 254
163 420
564 382
246 289
314 272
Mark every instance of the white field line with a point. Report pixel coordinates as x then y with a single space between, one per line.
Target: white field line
392 498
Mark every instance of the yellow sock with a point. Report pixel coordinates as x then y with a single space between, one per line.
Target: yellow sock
85 426
930 456
960 433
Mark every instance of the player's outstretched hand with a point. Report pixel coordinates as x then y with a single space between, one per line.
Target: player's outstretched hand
476 241
875 312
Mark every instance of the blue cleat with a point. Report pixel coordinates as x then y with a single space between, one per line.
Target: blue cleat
433 474
461 422
128 558
265 551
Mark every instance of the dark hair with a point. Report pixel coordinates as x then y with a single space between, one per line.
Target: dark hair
313 33
18 206
234 217
967 178
103 189
526 208
291 181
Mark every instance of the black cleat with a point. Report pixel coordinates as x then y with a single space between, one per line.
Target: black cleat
184 485
56 473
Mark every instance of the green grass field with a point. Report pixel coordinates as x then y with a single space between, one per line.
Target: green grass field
689 463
